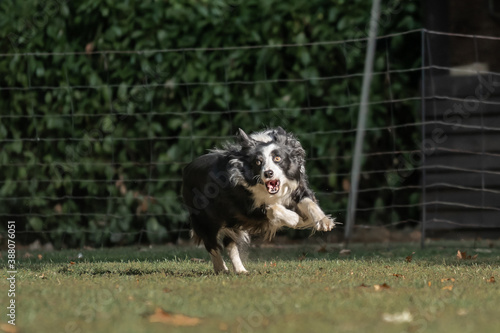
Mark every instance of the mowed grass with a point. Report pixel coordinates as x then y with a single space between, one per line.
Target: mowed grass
289 289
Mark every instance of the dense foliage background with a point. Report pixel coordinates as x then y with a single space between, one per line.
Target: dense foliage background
93 143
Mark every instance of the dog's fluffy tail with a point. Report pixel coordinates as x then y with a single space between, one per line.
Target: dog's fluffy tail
240 237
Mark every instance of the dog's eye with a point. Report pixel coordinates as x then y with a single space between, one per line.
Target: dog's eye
258 162
277 158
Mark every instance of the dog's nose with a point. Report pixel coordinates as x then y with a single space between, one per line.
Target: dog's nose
268 173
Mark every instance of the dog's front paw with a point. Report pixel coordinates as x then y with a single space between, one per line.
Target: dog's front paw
325 224
279 215
290 218
242 272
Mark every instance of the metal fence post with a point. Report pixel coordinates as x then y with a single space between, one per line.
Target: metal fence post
424 204
363 110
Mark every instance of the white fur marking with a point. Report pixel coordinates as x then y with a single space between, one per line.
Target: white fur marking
260 194
269 164
234 255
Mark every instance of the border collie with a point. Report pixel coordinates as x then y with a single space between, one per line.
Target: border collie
254 186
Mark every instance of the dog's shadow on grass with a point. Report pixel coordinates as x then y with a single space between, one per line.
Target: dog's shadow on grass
136 272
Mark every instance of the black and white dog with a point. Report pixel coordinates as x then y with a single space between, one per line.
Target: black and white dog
254 186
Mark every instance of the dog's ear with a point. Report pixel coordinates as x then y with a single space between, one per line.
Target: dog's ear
298 154
279 130
279 135
245 140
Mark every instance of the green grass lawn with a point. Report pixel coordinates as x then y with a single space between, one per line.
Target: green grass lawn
289 289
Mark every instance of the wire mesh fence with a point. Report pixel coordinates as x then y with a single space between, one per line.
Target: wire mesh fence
95 156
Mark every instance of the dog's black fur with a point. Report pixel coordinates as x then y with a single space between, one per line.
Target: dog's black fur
227 197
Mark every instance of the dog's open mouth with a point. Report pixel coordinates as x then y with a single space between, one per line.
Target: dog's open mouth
273 186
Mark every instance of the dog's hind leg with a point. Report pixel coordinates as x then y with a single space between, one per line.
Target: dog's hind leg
231 241
219 264
215 250
234 254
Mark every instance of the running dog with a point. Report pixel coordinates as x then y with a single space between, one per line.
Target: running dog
254 186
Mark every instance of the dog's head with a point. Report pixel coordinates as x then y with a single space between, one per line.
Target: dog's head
273 161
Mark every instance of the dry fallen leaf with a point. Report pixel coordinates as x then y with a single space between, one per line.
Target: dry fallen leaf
491 280
464 256
379 287
161 316
448 279
410 257
461 255
429 283
7 328
450 287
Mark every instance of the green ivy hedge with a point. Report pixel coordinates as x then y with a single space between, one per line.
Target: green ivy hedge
93 143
